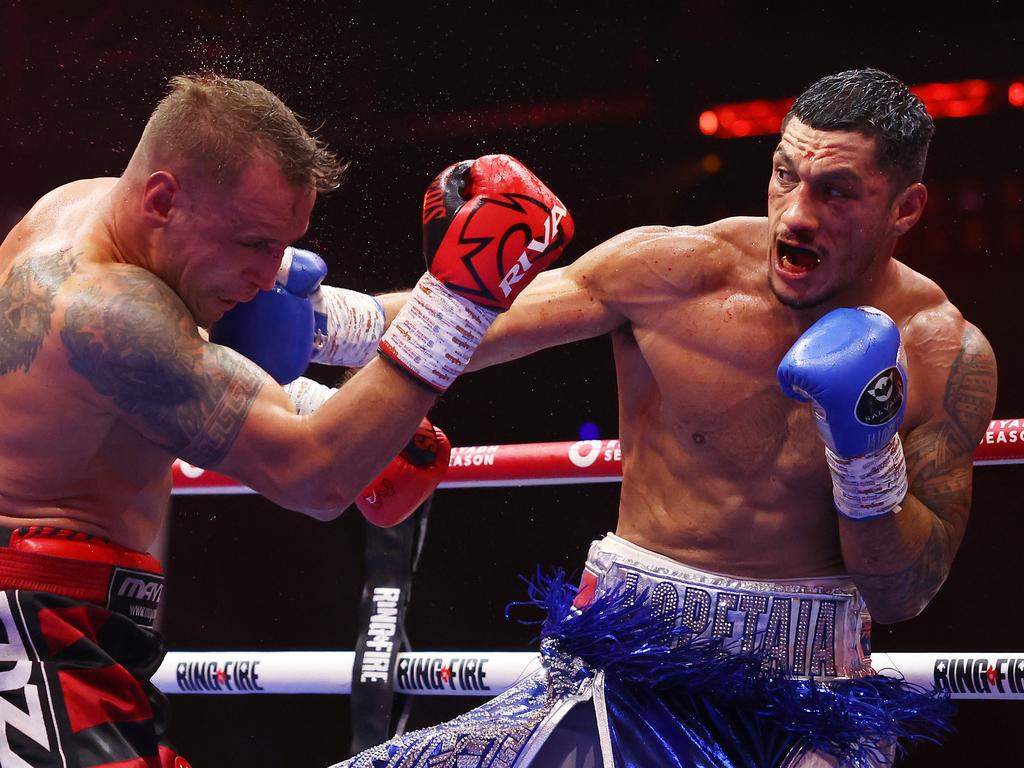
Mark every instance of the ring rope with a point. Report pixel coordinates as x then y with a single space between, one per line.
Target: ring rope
583 461
974 675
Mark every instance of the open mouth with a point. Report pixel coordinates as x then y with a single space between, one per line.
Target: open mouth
796 260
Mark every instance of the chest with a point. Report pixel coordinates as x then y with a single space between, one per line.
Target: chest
704 370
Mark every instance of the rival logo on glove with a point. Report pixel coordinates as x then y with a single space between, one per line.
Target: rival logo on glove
523 263
881 399
517 214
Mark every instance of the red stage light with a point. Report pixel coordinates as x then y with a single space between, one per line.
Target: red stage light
708 122
745 118
1015 94
964 98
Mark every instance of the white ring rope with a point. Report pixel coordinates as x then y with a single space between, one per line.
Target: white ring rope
584 461
997 675
978 675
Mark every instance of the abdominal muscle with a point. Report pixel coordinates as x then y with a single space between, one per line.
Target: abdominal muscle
711 522
721 471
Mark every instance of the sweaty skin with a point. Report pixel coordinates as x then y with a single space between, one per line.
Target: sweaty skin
723 472
105 378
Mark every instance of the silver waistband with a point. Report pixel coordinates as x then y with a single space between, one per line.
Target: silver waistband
816 627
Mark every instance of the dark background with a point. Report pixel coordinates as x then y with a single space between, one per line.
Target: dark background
602 103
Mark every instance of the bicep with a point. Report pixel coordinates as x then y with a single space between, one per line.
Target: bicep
940 452
560 306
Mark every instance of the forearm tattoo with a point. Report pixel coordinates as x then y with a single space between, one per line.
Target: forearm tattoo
135 343
26 307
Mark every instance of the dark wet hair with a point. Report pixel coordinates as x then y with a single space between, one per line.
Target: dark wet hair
876 104
221 123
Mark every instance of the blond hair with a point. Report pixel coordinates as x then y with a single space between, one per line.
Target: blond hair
220 124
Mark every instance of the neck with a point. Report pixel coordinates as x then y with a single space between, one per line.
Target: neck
131 241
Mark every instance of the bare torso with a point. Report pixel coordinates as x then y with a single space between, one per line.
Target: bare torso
720 469
65 458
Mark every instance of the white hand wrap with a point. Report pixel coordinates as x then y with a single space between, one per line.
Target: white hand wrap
308 395
436 333
869 485
355 324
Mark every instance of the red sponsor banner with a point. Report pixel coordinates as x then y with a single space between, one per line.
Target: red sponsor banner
534 464
582 461
1002 443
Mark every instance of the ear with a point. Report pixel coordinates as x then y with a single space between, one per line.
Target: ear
908 207
158 196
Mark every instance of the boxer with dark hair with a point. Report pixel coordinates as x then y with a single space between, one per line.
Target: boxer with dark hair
798 417
105 379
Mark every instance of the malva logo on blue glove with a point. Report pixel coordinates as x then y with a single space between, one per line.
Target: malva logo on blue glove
881 399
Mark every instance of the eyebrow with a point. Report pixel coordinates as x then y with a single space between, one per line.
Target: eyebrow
837 174
842 175
256 234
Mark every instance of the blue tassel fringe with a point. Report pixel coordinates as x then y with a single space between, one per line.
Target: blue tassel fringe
620 634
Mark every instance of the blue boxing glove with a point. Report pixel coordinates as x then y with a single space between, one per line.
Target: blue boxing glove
277 328
849 365
300 321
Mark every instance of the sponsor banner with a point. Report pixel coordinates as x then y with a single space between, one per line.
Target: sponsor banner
246 672
379 634
973 675
1002 443
583 461
462 673
432 673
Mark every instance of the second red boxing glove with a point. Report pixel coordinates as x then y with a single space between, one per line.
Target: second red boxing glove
408 480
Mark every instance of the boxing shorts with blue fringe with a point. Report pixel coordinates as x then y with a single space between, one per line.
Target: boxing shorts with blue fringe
653 664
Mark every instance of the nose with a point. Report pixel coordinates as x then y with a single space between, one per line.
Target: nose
264 272
267 279
800 215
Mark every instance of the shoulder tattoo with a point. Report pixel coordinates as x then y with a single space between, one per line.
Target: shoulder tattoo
970 390
940 456
135 343
26 307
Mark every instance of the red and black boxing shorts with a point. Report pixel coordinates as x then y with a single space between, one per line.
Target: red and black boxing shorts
77 650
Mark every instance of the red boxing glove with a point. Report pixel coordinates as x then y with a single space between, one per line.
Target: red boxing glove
408 480
489 227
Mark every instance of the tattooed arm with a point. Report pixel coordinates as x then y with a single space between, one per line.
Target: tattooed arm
138 347
900 561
